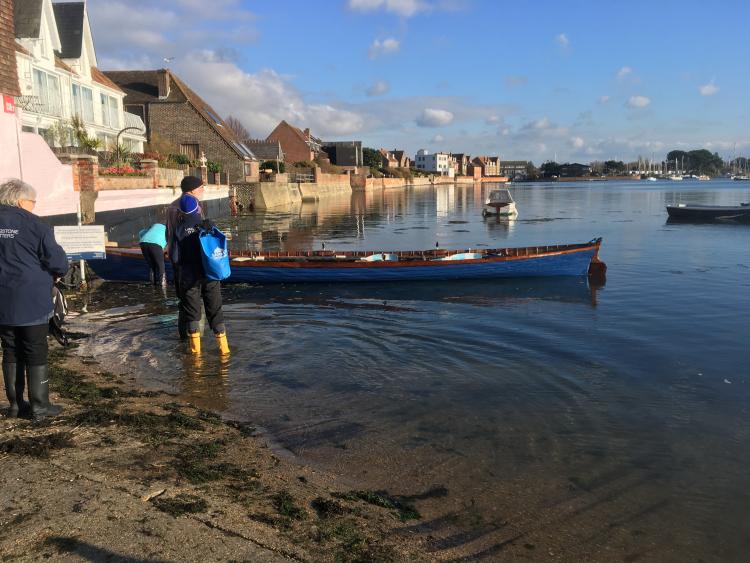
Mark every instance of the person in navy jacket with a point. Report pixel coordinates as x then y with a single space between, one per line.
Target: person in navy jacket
30 260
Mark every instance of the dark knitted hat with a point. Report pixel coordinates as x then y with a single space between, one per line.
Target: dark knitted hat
190 183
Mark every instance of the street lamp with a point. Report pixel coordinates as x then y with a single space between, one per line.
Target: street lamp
117 140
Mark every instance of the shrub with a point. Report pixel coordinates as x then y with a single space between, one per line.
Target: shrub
275 165
213 167
179 158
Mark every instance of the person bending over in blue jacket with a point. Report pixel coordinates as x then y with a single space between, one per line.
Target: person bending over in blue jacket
153 241
30 259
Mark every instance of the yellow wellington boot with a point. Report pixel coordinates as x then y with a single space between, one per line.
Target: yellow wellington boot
195 342
221 341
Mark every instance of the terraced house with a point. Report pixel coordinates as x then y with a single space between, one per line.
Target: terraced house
59 78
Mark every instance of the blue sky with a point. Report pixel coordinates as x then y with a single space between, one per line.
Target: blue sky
583 80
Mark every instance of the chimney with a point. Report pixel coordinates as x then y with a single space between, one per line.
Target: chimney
164 84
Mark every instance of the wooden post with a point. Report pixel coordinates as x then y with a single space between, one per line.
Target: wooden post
151 167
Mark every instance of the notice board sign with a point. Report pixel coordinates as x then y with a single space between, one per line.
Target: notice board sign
82 243
9 104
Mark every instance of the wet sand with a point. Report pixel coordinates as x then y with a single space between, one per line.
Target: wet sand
127 474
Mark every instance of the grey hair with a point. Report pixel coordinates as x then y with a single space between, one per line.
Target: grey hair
14 190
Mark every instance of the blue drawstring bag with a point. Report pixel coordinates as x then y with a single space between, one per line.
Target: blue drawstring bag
215 255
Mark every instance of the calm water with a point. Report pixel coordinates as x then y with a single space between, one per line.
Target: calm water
564 421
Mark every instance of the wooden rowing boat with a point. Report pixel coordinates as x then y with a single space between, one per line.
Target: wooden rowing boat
128 265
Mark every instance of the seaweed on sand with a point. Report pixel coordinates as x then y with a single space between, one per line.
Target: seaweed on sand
37 446
285 505
404 510
180 504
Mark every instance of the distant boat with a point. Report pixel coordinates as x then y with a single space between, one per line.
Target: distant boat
676 178
128 264
741 178
499 202
651 179
704 178
709 213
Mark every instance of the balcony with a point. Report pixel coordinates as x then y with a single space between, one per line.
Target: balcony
133 120
34 104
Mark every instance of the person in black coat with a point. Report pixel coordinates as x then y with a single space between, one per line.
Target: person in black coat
195 291
30 260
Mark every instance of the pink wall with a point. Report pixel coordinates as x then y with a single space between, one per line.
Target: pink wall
38 166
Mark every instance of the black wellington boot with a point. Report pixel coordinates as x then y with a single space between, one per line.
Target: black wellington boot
39 393
24 407
9 377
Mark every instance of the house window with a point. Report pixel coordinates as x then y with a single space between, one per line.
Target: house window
83 102
191 150
110 113
47 89
108 141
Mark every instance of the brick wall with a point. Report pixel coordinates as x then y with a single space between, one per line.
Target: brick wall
8 72
294 148
182 124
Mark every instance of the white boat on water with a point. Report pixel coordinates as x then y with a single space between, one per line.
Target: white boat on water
676 178
499 202
704 177
651 179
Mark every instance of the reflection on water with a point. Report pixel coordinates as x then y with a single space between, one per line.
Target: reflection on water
564 420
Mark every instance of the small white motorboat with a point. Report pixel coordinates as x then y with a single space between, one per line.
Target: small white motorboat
499 202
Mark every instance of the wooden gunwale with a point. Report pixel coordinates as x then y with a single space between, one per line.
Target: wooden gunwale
410 258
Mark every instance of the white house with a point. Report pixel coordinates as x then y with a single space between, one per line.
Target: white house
439 162
59 78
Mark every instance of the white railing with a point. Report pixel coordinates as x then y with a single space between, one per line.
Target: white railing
35 104
133 120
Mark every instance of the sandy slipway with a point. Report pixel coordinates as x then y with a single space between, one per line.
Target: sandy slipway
128 475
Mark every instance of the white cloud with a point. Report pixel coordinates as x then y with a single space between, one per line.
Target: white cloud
493 120
378 88
538 125
562 40
434 118
262 99
638 102
385 47
437 139
709 89
403 8
604 100
624 72
577 142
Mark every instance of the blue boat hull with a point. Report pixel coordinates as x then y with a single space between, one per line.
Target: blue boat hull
132 268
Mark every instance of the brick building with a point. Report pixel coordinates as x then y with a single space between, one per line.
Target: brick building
461 163
395 159
8 72
297 145
175 113
489 165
